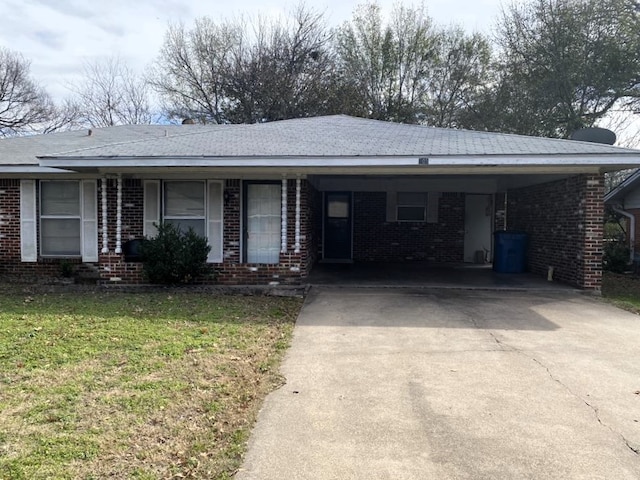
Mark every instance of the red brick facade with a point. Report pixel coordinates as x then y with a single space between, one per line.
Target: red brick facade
292 268
564 221
375 239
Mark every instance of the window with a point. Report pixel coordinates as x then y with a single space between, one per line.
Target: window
184 205
412 207
60 218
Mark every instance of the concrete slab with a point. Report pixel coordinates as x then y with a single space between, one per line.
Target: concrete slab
450 384
426 275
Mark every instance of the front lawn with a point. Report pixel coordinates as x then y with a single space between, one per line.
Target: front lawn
622 290
101 384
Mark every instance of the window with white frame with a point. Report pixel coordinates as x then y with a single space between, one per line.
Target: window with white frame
60 218
184 205
411 207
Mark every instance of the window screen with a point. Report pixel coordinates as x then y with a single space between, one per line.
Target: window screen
60 218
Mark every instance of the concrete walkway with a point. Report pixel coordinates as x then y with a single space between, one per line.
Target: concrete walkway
451 384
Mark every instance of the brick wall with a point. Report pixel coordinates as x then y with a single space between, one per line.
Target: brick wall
9 222
375 239
293 266
11 266
564 223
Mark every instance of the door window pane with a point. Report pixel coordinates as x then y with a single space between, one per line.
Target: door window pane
338 206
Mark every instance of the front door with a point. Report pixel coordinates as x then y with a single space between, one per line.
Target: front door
478 227
262 214
337 226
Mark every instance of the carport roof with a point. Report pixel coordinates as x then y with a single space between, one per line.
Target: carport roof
330 141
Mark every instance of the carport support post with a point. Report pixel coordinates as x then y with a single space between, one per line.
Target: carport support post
590 273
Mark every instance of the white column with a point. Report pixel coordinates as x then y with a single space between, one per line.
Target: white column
119 216
105 230
283 221
297 244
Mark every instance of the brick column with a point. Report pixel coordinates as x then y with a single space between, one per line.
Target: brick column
590 268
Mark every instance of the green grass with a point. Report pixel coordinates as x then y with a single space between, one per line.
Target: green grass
622 290
154 385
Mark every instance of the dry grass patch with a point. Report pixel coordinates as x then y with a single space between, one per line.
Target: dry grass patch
149 386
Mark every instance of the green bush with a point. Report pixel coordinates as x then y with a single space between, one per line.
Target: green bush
616 257
173 256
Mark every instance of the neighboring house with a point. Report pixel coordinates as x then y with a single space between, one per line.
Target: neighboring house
625 199
273 199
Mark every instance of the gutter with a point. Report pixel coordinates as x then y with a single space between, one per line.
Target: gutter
632 230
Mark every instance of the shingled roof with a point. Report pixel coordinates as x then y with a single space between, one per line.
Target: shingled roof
317 141
336 136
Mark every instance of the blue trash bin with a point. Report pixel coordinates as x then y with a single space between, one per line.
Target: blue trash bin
510 252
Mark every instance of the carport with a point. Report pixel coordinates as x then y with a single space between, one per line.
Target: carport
426 217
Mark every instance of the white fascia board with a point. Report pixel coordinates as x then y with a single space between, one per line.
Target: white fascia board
151 162
604 160
535 160
30 169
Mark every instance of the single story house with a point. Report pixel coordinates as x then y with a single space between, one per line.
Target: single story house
274 199
625 199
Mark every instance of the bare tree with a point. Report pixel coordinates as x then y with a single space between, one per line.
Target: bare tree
111 94
241 72
286 72
192 69
24 105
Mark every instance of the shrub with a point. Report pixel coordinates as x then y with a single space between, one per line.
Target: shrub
173 256
615 257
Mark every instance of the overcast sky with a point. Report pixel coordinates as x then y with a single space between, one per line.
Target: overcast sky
57 36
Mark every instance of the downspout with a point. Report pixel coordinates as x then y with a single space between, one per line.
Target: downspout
632 231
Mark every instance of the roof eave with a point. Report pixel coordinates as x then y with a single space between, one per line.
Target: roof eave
624 160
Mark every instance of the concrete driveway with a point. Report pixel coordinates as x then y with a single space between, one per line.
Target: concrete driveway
454 384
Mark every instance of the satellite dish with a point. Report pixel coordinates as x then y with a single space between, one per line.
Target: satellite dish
594 135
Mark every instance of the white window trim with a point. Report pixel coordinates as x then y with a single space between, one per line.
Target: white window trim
88 218
155 189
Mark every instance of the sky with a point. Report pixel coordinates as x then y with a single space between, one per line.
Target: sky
59 36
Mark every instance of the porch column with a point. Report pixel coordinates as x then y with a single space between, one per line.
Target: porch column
119 216
105 231
297 232
283 220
